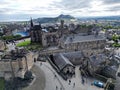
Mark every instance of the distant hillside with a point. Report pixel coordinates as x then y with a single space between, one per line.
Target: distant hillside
65 17
53 20
101 18
68 18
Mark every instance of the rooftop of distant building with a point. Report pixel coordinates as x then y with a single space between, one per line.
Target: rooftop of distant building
78 38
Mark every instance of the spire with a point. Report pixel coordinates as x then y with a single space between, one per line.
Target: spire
31 23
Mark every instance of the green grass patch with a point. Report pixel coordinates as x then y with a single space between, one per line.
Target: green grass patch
30 46
2 84
24 43
34 46
116 45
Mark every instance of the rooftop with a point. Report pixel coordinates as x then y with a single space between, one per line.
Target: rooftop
61 61
74 55
78 38
14 54
97 59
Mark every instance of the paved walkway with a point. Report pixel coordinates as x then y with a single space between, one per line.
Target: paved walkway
39 83
117 51
52 81
117 85
10 47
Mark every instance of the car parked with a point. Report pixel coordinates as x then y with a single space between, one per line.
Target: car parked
98 84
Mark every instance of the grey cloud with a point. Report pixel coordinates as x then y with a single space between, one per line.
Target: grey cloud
3 2
4 10
115 8
111 1
15 17
43 8
73 4
111 8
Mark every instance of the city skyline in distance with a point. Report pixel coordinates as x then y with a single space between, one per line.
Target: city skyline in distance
15 10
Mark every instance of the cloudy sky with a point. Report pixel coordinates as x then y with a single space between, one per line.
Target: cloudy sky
24 9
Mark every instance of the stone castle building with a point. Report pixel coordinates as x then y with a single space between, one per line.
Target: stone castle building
47 38
73 37
36 33
88 44
16 64
50 39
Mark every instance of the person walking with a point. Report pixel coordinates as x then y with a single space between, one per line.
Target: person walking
69 82
60 88
56 87
40 63
73 84
83 80
55 75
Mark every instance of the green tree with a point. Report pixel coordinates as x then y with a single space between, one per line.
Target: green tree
115 38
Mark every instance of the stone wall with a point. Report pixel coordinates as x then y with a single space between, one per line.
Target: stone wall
30 60
2 45
5 66
50 39
18 66
88 47
36 36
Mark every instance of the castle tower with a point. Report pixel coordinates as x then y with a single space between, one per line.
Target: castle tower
31 23
62 24
36 32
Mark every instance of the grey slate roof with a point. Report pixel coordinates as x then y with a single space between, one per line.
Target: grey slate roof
61 61
110 71
74 55
96 60
78 38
